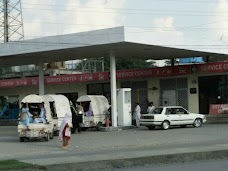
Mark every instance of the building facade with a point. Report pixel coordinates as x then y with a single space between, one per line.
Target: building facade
200 88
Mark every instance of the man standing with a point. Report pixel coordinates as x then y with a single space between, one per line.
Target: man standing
76 120
151 108
137 114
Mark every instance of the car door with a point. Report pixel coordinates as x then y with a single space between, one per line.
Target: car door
172 116
184 116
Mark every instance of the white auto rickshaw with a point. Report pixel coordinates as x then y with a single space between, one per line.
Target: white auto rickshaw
94 110
38 129
59 105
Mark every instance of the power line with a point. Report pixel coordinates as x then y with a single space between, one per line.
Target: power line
190 28
123 9
131 13
180 1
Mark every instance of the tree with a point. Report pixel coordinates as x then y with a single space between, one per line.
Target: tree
215 58
171 62
130 63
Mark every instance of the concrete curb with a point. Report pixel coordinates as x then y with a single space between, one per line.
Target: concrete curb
119 128
142 161
217 119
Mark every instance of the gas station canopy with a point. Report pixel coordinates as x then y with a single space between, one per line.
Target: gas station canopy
83 45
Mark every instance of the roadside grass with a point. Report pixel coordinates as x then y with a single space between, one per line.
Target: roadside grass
16 165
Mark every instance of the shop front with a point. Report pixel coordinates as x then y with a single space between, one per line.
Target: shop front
200 88
213 95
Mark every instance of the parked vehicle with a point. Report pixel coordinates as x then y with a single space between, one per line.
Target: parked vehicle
167 116
36 130
93 109
59 105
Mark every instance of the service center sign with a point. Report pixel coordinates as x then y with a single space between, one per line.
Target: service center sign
213 67
120 75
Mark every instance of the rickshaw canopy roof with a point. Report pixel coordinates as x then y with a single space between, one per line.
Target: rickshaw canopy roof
98 103
33 98
62 104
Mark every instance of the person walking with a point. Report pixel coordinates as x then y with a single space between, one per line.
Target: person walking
64 131
76 120
151 108
137 114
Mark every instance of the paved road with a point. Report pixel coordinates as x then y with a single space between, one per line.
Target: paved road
93 145
213 165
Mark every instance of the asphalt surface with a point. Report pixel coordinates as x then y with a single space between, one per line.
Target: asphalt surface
212 165
93 146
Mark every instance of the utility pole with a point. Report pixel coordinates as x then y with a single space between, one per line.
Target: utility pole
11 24
6 25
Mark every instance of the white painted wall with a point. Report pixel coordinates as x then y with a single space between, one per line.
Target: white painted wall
193 99
81 88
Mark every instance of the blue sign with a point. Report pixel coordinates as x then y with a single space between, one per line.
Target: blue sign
191 60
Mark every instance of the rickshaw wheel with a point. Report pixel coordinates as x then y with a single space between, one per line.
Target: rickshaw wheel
99 125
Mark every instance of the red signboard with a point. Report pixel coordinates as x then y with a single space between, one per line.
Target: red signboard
75 78
121 74
213 67
218 109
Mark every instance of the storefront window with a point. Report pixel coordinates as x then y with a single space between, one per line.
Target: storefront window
9 107
212 90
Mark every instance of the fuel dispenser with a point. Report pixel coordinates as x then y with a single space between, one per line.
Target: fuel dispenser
124 107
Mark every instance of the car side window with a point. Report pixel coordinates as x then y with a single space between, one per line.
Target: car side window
167 112
181 111
171 111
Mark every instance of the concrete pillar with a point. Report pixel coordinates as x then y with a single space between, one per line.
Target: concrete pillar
113 87
41 78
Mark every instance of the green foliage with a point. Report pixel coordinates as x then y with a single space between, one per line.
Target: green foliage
168 62
16 165
130 64
215 59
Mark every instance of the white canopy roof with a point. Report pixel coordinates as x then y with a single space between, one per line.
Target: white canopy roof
62 104
90 44
33 98
98 103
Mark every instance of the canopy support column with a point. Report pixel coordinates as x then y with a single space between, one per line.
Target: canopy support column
113 88
41 78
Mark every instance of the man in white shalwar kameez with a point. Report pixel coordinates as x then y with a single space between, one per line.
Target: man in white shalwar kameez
151 108
137 114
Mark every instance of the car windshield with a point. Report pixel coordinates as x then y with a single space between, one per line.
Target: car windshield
157 111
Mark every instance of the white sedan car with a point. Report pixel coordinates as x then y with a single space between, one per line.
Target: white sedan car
167 116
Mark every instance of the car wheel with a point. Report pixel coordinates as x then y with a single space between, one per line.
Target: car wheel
183 126
150 127
165 125
197 123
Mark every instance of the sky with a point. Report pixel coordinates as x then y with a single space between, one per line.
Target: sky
189 24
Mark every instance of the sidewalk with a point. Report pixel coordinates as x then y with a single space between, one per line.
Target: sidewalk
139 147
113 164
